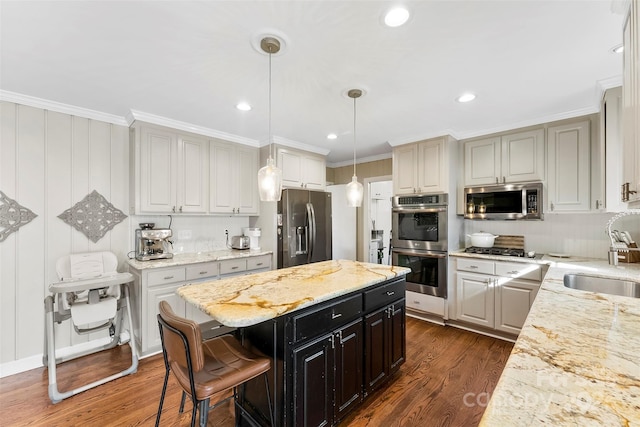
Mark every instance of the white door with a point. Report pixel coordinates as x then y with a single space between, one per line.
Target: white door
343 223
475 298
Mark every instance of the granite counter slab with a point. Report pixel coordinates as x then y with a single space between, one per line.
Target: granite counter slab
254 298
577 359
194 258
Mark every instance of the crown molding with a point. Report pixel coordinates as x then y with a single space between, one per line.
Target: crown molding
604 84
59 107
375 158
135 115
295 144
416 138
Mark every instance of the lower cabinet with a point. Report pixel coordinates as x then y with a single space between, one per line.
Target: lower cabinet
328 376
496 295
327 358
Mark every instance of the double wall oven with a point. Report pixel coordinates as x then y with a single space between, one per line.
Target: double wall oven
419 242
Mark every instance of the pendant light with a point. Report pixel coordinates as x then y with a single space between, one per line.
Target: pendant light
355 191
270 176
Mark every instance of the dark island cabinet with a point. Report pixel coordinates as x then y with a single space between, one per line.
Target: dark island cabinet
326 357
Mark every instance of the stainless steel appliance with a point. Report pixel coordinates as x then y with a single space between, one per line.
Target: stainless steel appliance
508 201
304 227
153 243
240 242
419 241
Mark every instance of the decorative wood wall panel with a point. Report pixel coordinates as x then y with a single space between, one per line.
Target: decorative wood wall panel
48 162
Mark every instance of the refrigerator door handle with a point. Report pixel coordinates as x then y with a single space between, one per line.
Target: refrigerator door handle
311 216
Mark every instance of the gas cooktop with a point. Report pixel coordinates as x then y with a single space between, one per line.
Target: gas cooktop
496 251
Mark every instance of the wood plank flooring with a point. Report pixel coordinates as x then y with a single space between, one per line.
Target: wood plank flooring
444 364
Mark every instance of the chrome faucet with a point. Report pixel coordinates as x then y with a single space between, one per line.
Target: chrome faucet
617 247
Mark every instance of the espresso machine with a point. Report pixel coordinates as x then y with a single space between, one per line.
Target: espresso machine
153 243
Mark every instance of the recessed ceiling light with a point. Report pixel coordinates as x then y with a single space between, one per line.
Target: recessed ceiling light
332 136
243 106
618 49
466 97
396 17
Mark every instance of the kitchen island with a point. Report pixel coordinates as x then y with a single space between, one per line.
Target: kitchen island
577 359
335 331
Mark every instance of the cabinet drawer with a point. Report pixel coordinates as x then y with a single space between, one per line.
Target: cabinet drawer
383 295
327 318
163 277
519 270
259 262
476 265
201 271
233 266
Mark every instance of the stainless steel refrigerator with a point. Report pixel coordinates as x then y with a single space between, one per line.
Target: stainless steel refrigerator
304 227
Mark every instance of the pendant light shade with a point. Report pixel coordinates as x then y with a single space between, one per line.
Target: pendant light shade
355 191
270 176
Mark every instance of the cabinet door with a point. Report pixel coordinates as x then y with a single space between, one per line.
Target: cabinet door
314 173
523 157
291 165
223 176
193 180
631 103
405 169
246 179
155 295
482 162
397 335
513 301
569 165
376 366
475 298
348 362
431 166
158 171
313 382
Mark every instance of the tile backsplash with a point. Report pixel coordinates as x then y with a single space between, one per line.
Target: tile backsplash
573 234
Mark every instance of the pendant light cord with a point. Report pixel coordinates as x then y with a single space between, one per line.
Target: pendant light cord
354 136
270 144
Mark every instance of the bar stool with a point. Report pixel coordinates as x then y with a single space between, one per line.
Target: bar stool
205 368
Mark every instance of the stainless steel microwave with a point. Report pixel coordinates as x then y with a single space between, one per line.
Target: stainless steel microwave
507 201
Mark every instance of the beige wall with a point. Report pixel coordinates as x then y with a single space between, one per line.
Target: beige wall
342 175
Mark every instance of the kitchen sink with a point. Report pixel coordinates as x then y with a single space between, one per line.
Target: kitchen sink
603 285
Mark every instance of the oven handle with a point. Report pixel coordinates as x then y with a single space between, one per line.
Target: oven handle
422 254
419 210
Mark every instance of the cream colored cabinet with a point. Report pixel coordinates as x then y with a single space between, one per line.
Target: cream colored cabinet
234 179
301 169
171 172
152 285
421 167
495 294
631 107
569 167
514 157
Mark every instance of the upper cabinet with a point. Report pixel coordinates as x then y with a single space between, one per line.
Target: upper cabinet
569 165
631 107
515 157
421 167
171 172
301 169
234 178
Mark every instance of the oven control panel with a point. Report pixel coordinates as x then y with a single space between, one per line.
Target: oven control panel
420 200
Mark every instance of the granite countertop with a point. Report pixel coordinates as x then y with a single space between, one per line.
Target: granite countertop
194 258
577 360
254 298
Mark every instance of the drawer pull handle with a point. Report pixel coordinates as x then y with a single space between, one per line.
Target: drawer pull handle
389 293
513 272
417 302
234 268
168 277
335 316
202 272
473 266
259 264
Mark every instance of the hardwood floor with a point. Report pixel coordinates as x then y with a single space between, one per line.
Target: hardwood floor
445 368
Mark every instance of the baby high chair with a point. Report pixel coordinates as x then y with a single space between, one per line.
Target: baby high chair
93 295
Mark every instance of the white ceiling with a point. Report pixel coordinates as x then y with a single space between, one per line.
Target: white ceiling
528 61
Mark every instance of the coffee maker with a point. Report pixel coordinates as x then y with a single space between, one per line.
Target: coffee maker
152 243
